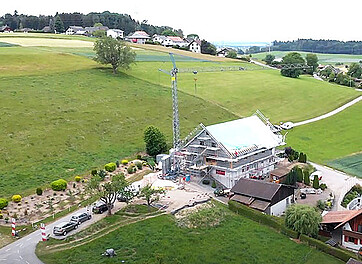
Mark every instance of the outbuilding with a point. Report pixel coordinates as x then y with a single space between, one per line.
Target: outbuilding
267 197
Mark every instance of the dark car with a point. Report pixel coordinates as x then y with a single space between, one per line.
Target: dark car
63 228
80 217
99 208
222 192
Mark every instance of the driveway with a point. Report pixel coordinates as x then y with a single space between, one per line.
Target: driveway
338 182
23 250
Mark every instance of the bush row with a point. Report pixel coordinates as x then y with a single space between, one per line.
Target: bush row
336 252
255 215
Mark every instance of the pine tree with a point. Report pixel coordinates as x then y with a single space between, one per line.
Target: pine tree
316 182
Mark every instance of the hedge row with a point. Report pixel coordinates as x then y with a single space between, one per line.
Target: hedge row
289 232
255 215
336 252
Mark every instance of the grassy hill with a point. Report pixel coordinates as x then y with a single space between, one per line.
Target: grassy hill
323 58
63 114
159 240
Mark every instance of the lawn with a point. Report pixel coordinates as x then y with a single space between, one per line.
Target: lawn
323 58
279 98
160 240
351 164
65 123
47 42
331 138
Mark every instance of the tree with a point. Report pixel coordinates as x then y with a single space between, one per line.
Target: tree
58 24
316 182
97 24
306 177
193 36
107 192
207 48
292 177
231 54
150 195
312 60
169 32
155 141
114 52
299 173
303 219
269 58
355 70
292 58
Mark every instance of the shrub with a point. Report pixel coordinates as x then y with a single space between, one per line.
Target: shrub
131 169
39 191
59 185
316 182
77 178
213 185
303 218
117 164
323 186
102 174
94 172
74 185
1 216
3 203
206 182
321 204
124 162
110 166
138 156
139 165
16 198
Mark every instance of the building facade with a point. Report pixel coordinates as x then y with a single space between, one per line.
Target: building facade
226 152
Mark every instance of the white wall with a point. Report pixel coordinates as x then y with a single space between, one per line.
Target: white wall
280 207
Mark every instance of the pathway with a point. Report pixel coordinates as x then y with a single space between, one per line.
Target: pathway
339 109
22 251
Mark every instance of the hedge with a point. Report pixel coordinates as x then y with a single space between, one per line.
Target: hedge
59 185
336 252
110 166
255 215
289 232
3 203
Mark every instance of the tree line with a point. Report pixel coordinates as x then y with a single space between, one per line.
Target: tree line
319 46
111 20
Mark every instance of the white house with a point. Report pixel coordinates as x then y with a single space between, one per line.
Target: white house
195 45
226 152
75 30
158 38
267 197
115 33
139 37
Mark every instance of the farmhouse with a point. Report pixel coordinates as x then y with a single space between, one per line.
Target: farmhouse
194 45
267 197
115 33
139 37
243 148
75 30
345 227
5 29
224 52
158 38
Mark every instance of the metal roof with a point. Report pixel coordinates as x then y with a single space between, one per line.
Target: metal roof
241 134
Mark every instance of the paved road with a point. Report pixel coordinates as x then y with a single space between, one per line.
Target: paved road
23 250
263 65
339 109
338 182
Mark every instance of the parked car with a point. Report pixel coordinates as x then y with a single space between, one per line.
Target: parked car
80 217
287 125
99 207
221 192
63 228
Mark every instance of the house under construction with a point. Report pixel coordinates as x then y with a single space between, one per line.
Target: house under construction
231 150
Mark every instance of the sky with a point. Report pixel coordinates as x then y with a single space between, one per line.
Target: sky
224 21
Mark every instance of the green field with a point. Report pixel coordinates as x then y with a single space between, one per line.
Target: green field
351 164
323 58
160 240
331 138
63 114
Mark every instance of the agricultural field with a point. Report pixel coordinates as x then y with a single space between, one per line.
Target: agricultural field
63 114
323 58
331 139
351 164
235 240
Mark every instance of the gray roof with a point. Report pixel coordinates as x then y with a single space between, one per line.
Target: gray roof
256 188
116 30
76 28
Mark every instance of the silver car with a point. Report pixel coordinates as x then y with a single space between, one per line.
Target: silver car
80 217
